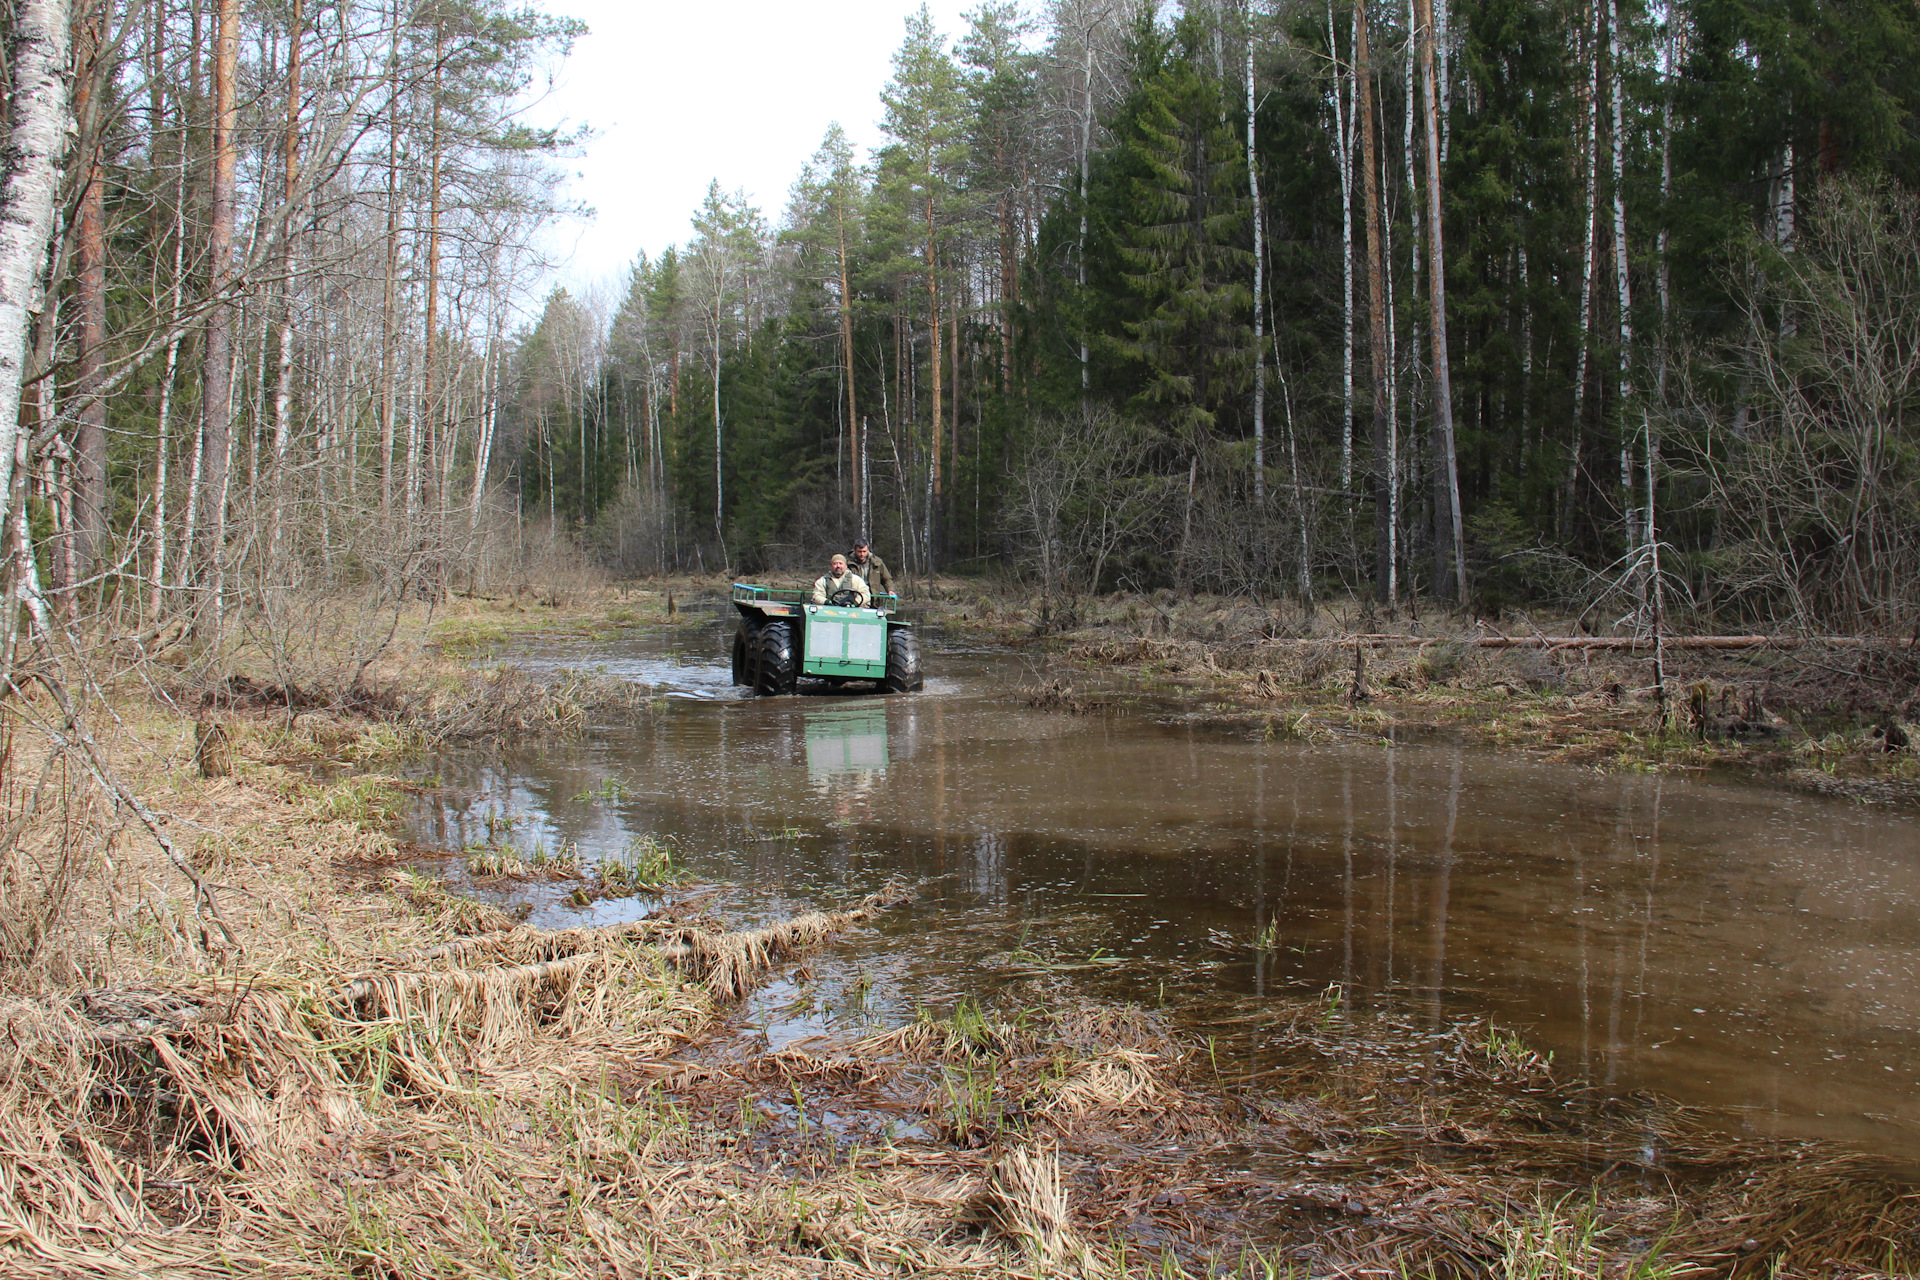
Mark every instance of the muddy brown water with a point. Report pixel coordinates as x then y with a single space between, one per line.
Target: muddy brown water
1731 946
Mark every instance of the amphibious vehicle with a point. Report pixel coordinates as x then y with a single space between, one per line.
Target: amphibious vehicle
784 637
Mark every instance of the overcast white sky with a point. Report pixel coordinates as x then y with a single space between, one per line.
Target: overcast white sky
679 92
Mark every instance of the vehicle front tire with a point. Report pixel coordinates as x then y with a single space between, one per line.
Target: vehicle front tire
777 668
903 662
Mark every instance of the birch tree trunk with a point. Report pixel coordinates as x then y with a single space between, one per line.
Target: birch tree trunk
1446 466
1259 297
719 491
1622 281
1376 303
163 432
1582 339
1392 366
1086 146
389 318
1663 275
430 391
38 134
283 378
1303 563
1343 154
217 376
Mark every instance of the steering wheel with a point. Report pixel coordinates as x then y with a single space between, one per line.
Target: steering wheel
845 597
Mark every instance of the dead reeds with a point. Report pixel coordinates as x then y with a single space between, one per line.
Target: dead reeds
535 1103
235 1089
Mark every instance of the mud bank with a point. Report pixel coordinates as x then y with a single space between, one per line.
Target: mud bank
1834 718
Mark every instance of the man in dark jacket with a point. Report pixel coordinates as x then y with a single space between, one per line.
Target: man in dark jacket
870 567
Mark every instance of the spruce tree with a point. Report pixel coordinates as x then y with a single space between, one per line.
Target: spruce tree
1182 238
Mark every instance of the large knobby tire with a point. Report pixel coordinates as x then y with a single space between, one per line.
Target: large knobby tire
903 662
744 653
776 668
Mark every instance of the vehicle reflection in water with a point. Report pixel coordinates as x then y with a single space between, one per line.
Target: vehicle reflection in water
1728 945
847 754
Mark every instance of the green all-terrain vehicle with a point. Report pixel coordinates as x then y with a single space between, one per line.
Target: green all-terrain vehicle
784 636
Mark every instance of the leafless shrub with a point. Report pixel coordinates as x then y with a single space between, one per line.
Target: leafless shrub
1809 461
51 831
632 534
1083 495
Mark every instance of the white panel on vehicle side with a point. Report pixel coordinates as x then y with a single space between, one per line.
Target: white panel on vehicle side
827 639
867 644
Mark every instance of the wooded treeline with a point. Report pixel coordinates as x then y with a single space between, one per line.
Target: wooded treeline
1145 297
1599 302
266 323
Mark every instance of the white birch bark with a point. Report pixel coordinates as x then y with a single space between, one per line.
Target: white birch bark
1621 263
1669 61
41 37
189 525
1413 183
1443 53
1582 338
1412 367
719 492
1343 154
1259 298
411 474
219 355
1526 340
1303 566
163 442
1086 147
283 374
1393 394
1783 215
483 444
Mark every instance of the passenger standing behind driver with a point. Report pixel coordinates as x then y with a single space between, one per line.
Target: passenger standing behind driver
871 567
840 578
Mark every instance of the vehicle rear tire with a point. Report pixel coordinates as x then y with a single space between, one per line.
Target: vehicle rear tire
744 651
903 662
776 668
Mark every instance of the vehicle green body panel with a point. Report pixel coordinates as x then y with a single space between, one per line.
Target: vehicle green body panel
851 643
835 642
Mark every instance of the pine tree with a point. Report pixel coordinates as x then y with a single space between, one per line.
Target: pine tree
926 115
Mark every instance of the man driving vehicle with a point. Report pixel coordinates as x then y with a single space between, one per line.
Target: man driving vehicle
840 578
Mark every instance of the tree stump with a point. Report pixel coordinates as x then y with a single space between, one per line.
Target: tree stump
212 749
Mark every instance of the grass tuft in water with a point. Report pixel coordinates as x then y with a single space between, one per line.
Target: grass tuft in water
646 864
1511 1055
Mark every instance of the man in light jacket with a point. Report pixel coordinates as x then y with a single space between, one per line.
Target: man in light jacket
840 578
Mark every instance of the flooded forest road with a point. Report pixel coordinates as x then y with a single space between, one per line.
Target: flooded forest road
1733 947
